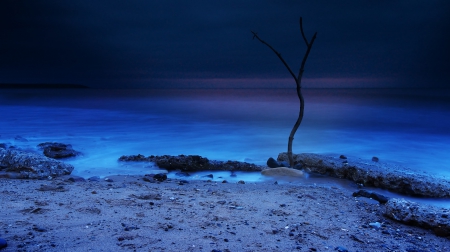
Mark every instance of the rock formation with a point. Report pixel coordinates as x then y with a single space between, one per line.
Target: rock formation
20 164
376 174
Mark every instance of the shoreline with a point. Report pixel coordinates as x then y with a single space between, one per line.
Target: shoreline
138 212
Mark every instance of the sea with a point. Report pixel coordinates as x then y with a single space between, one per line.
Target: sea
408 127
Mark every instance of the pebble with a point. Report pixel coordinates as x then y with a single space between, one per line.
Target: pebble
3 243
160 177
108 180
341 249
375 225
95 178
375 159
208 176
241 182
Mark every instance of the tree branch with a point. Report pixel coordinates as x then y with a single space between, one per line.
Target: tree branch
255 35
303 34
300 73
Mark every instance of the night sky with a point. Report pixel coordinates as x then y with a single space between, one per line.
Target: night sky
208 44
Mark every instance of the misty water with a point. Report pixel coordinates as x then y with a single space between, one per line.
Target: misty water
410 127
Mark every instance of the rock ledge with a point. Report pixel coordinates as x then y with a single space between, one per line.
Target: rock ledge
376 174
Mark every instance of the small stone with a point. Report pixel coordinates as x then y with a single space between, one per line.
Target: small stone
39 229
375 225
208 176
272 163
375 159
342 157
341 249
160 177
108 180
241 182
224 181
94 179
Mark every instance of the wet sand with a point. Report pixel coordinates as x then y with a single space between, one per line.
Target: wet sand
137 213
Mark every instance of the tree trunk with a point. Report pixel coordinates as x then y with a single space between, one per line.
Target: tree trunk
298 82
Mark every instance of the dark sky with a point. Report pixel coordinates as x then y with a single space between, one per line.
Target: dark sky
116 43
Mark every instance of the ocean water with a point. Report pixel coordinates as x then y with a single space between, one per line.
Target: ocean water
410 127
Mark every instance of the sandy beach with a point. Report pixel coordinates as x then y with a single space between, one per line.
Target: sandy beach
138 213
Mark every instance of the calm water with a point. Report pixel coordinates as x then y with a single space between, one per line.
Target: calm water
411 127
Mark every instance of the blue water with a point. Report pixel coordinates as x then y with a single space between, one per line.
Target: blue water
407 127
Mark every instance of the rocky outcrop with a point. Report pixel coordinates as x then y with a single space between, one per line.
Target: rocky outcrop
20 164
376 174
193 163
57 150
424 216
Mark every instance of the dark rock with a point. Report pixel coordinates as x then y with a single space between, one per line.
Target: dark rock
241 182
3 146
368 194
75 179
193 163
160 177
272 163
20 164
109 180
58 150
3 243
377 174
137 157
424 216
375 159
182 174
224 182
342 157
208 176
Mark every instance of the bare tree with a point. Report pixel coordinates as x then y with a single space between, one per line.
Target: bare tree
298 82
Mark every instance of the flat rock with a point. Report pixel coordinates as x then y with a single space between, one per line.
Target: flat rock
377 174
282 171
20 164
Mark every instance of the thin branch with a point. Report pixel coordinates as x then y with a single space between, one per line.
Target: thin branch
303 34
300 73
255 35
